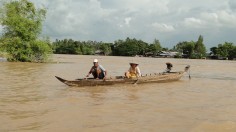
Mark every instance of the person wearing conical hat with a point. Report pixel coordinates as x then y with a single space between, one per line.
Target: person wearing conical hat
97 70
133 71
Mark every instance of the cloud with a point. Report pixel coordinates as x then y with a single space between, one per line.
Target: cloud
170 21
232 4
193 22
163 27
127 20
227 19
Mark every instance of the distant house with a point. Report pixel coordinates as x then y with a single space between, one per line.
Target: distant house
168 54
223 58
173 54
148 54
212 56
164 54
99 52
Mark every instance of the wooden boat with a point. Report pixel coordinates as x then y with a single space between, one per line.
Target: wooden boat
148 78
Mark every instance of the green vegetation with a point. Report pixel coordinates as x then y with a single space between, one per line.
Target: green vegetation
185 47
22 25
193 50
155 47
80 48
127 47
199 48
226 50
132 47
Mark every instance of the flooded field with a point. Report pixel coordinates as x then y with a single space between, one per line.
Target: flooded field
32 99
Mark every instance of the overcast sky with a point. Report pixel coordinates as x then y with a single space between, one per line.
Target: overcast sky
170 21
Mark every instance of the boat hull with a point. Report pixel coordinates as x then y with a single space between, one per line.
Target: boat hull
151 78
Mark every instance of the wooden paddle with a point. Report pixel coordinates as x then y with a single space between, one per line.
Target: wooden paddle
136 81
189 74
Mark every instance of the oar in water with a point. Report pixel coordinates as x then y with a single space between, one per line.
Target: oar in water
136 81
189 74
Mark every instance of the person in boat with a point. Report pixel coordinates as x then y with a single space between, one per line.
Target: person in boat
168 67
97 70
133 72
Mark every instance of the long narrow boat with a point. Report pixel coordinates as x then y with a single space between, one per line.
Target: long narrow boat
148 78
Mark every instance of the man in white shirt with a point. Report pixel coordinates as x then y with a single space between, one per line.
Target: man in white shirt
97 70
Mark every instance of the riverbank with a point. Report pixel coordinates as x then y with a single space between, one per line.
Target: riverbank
3 56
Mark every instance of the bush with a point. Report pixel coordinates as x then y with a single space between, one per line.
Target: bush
22 25
40 51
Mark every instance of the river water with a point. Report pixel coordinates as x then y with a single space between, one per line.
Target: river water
32 99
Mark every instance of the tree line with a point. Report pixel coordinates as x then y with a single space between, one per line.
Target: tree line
132 47
127 47
226 50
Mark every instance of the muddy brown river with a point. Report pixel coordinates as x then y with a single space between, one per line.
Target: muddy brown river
32 99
